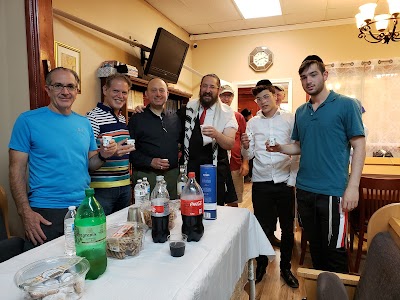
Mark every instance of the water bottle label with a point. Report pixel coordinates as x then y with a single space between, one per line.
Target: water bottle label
192 207
179 187
69 226
90 234
139 193
159 207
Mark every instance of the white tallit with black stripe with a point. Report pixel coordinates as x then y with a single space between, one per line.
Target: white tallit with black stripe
222 115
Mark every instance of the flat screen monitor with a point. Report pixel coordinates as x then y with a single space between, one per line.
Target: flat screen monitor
166 56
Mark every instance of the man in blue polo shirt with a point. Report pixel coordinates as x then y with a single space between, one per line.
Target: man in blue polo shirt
325 129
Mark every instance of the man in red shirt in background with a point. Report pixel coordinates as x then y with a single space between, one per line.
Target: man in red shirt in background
239 167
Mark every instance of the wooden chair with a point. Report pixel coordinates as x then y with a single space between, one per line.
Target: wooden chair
4 209
386 219
374 194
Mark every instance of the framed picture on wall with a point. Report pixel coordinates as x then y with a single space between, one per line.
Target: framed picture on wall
68 57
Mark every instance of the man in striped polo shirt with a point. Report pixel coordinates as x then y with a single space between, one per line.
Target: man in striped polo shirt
112 180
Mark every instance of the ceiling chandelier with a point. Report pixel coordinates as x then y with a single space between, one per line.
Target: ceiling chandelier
385 24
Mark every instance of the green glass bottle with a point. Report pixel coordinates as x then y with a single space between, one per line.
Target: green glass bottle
90 234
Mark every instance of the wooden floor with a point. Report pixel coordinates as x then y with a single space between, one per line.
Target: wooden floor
272 287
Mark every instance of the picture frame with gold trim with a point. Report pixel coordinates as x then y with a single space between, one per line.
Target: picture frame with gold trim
68 57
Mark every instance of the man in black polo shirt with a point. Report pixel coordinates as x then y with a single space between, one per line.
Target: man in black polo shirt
156 139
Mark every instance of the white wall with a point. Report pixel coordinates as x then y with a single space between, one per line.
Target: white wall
14 86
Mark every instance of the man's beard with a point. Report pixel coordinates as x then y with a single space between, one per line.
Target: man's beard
208 103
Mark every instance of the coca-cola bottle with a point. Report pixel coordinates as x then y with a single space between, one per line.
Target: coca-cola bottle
160 212
192 202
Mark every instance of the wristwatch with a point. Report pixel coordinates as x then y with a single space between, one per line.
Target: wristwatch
101 157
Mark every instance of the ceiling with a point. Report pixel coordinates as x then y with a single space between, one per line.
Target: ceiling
202 18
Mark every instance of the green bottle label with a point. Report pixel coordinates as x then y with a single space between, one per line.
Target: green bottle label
90 234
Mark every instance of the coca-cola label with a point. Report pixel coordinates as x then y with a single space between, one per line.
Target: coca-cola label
159 207
192 207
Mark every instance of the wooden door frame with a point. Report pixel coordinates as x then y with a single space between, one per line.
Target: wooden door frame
252 83
40 48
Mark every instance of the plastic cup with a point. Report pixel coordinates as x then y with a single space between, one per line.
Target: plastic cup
272 141
107 140
130 142
177 244
135 214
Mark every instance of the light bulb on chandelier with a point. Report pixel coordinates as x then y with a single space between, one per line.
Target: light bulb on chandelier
385 23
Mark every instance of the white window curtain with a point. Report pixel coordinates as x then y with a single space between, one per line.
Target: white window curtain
376 83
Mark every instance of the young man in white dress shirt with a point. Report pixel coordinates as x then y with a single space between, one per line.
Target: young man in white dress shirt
274 176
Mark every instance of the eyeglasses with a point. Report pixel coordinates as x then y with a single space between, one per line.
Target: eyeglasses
265 97
59 87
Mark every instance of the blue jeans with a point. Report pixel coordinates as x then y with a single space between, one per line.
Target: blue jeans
113 199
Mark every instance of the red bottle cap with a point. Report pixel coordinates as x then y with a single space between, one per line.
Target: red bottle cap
191 175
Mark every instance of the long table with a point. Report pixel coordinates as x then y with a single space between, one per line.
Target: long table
385 167
381 171
209 269
391 161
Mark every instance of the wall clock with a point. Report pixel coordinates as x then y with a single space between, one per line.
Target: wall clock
260 59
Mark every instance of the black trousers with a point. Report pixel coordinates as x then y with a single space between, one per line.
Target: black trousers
328 251
268 198
11 247
53 231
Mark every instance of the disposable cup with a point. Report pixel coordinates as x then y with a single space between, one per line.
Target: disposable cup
135 214
107 140
272 141
177 244
130 142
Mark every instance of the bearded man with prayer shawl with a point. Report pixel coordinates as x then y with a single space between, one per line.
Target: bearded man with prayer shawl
210 128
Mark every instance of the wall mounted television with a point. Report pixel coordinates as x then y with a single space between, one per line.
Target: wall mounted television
166 56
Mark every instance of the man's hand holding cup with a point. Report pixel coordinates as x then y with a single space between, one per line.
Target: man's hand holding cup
245 141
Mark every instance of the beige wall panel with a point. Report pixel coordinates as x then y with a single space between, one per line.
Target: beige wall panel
228 57
127 18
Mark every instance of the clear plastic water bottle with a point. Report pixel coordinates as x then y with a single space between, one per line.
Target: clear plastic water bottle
181 181
146 185
69 231
139 192
160 212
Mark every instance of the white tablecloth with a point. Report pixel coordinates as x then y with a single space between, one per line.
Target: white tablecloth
209 269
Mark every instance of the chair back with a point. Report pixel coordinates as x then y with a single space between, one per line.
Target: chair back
376 193
379 221
4 209
379 279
